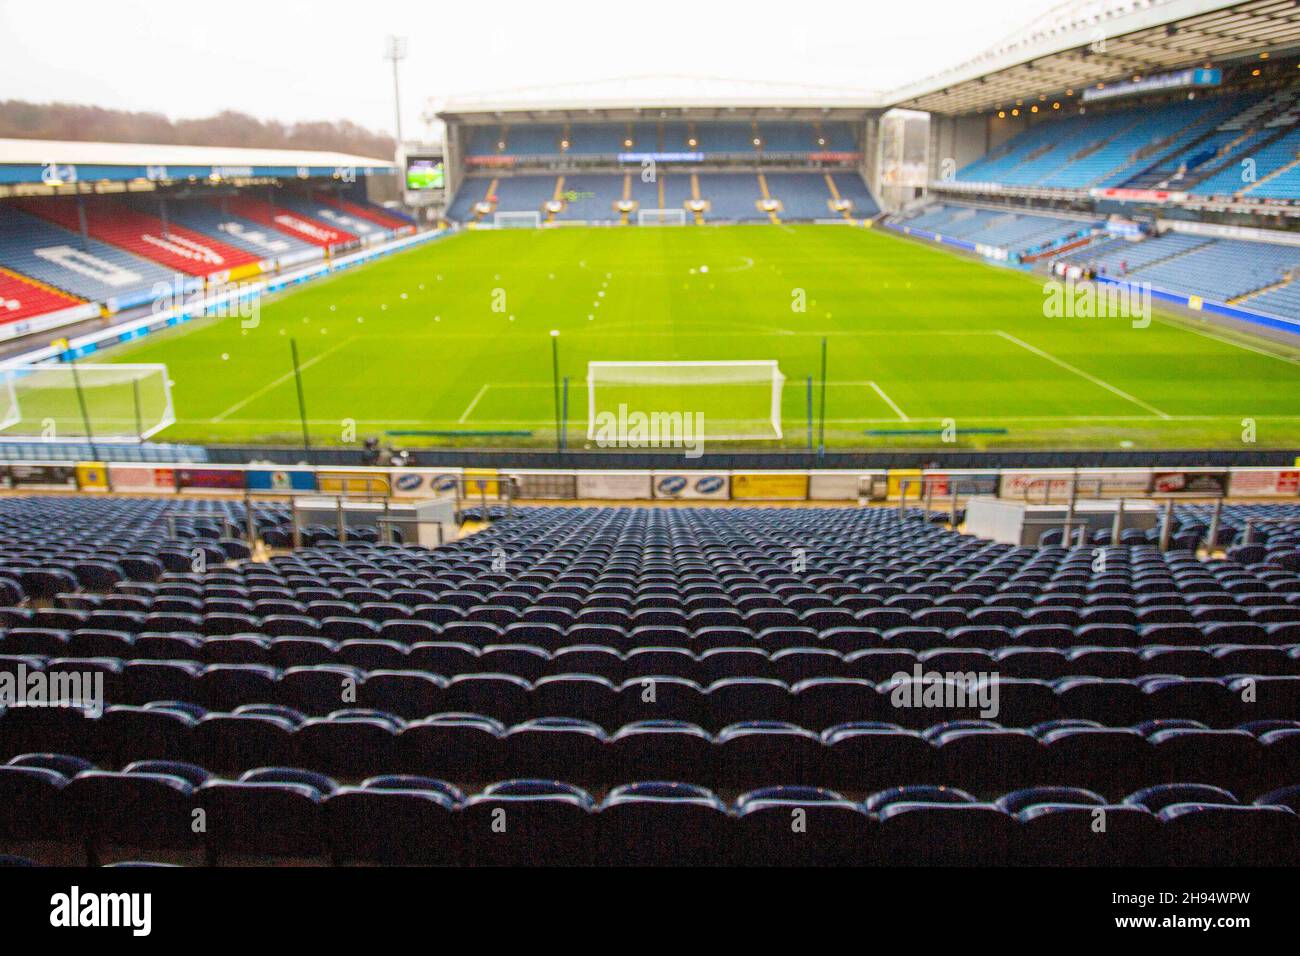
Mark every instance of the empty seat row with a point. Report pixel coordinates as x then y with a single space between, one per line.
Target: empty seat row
916 698
1270 624
616 662
177 812
856 755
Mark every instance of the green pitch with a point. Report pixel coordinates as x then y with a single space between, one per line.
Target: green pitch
455 337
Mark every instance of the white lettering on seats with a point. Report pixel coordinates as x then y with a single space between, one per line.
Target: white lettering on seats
185 248
256 237
110 273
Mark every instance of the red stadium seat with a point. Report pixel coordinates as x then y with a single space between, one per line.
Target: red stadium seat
184 250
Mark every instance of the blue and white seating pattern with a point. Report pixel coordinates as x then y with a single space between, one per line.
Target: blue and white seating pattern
90 269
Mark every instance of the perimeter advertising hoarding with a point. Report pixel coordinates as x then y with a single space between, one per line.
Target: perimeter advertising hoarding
619 485
1020 484
352 482
692 484
1193 484
92 476
1034 485
141 478
211 479
544 484
1264 483
45 476
281 479
844 485
424 482
772 485
941 484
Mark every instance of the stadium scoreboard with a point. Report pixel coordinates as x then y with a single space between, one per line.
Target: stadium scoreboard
425 181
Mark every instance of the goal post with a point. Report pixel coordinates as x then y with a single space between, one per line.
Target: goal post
730 400
517 220
121 403
661 217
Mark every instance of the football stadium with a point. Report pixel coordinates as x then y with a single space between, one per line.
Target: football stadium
675 474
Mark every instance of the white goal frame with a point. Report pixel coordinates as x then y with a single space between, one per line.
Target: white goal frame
517 220
12 413
661 217
777 380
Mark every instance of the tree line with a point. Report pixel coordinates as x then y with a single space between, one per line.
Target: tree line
70 121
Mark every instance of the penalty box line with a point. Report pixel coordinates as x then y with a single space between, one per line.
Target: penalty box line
861 383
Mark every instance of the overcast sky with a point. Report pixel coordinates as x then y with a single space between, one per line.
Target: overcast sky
301 60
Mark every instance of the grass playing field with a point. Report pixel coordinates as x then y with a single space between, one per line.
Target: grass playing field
455 336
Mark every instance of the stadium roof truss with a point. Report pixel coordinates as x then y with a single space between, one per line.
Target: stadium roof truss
1076 45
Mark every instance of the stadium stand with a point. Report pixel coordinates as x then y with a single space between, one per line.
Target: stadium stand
802 195
24 299
1284 300
90 269
176 247
595 139
1224 269
364 210
1125 257
1012 231
305 228
712 139
525 193
851 187
1196 144
1221 270
353 226
590 197
732 197
211 220
773 690
802 161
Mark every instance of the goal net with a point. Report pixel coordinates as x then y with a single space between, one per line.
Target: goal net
726 401
661 217
517 220
121 403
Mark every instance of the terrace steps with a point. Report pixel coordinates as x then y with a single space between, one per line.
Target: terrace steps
767 195
557 196
1261 290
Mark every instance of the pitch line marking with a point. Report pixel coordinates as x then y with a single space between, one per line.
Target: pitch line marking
889 401
470 408
281 380
1290 360
1082 374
